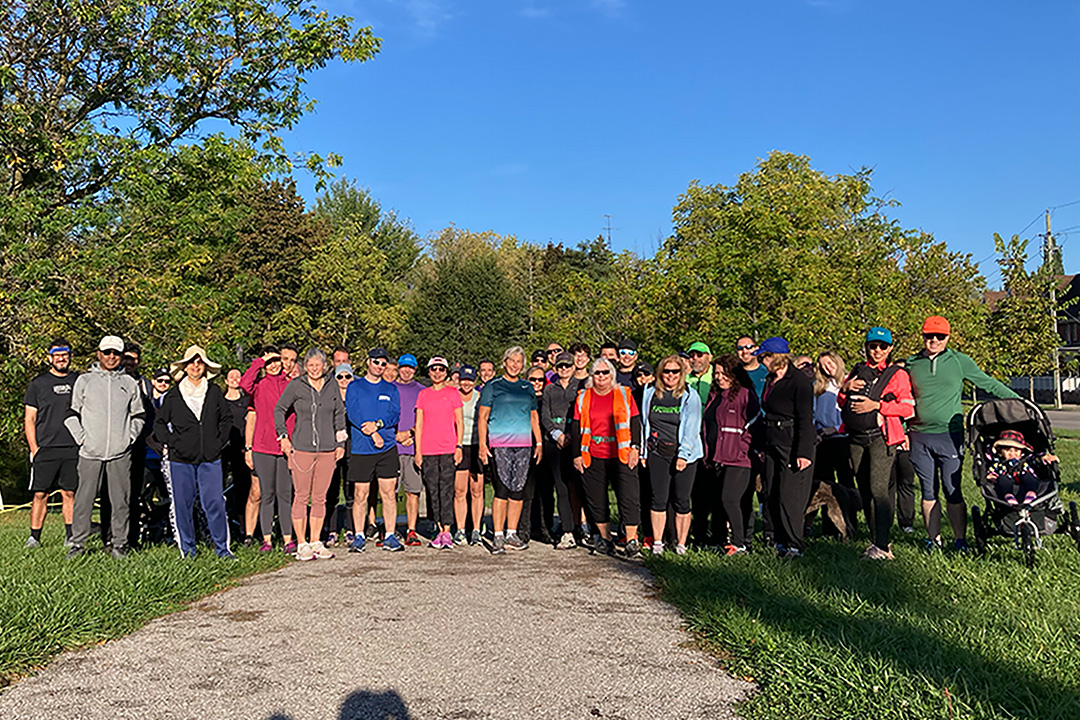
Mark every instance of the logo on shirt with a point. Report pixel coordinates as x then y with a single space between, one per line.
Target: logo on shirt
384 397
61 389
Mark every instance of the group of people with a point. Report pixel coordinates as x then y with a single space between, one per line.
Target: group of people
684 445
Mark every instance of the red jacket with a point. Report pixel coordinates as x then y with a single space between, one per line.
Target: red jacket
264 393
893 412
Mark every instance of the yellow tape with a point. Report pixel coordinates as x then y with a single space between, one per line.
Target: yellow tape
11 508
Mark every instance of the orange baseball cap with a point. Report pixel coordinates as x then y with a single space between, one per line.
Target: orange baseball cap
936 324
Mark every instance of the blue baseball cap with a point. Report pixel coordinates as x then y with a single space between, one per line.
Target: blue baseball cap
879 334
407 360
774 346
467 372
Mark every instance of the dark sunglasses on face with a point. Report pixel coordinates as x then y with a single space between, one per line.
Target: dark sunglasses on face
745 347
111 352
877 345
344 376
536 380
601 372
162 380
696 354
934 336
671 371
564 366
554 351
436 368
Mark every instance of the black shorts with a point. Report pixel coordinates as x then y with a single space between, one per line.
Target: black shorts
470 460
55 467
369 468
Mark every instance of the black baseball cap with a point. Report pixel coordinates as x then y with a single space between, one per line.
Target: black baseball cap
643 368
627 344
467 372
539 355
376 353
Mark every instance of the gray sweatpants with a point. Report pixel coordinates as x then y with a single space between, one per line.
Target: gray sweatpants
275 484
118 472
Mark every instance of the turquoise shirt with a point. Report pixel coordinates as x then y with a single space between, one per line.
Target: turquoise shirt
512 405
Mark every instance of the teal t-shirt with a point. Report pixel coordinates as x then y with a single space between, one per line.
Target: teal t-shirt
512 405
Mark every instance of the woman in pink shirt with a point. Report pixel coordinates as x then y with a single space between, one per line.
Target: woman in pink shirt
439 428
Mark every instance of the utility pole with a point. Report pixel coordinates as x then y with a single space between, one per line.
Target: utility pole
608 228
1050 260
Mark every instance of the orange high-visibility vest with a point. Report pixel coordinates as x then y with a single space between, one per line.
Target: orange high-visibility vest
621 406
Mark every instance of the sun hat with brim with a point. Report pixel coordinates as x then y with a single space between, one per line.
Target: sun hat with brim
773 346
1013 439
213 369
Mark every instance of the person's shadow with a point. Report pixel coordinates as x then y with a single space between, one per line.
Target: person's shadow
365 705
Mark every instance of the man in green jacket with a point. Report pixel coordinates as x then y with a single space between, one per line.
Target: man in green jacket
937 431
700 377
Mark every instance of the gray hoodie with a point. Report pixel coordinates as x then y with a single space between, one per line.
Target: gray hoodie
107 413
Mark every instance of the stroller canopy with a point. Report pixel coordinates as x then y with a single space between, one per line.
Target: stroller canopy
988 419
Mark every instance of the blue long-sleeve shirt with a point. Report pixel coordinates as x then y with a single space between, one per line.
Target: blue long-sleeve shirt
367 401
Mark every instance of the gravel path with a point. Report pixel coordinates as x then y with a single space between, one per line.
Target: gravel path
421 634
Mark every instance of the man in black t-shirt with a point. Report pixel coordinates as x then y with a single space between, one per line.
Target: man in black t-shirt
54 455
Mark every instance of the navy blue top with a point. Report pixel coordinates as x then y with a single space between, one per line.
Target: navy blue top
367 401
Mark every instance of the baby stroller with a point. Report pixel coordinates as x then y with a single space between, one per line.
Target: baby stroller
1025 523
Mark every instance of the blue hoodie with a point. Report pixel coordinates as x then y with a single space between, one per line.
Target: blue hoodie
367 401
690 445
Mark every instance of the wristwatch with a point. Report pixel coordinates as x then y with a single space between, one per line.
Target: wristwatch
379 423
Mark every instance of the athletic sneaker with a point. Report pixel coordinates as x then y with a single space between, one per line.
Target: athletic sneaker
412 539
119 553
907 530
498 545
348 538
730 550
658 547
227 555
1011 499
566 542
32 542
305 552
436 542
680 549
249 541
331 539
320 552
392 543
961 546
474 538
1030 497
459 538
646 542
633 548
265 547
358 544
515 542
75 552
602 546
372 532
69 543
792 552
290 548
932 545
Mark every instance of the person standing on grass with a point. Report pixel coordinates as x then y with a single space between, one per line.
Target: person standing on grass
875 401
408 390
745 347
671 427
832 462
316 445
54 454
243 500
130 362
508 425
732 428
106 417
607 430
556 410
937 431
789 444
469 480
193 425
265 380
440 426
373 410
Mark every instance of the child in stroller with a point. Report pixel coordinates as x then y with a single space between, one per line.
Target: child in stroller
1012 470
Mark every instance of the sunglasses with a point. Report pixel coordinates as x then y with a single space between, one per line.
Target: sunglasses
745 347
627 351
344 376
601 372
196 360
163 380
379 362
671 371
554 351
117 353
878 345
696 354
536 380
564 366
934 336
436 368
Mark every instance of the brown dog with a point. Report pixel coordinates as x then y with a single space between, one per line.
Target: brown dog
841 506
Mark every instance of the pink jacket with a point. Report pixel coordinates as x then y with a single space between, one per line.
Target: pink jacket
264 392
892 413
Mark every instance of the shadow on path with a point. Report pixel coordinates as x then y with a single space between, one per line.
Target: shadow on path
367 705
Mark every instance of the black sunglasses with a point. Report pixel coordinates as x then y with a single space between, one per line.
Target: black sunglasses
440 368
111 352
934 336
536 379
671 371
563 366
601 372
344 376
878 345
745 347
554 351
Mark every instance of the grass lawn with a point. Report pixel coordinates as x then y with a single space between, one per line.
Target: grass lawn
943 636
49 604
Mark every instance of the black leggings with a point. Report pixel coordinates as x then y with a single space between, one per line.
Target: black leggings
873 465
789 493
902 484
565 477
738 499
596 478
664 479
438 472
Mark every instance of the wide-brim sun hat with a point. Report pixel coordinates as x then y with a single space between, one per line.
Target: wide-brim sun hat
1013 439
213 369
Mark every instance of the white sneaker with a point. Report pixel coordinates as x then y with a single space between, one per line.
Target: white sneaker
319 551
566 542
680 549
657 547
304 551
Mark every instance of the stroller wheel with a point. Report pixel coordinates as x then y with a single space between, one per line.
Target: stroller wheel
1027 545
979 529
1074 524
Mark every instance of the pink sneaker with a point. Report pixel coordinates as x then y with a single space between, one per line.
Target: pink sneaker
1011 499
265 547
447 540
290 549
1030 497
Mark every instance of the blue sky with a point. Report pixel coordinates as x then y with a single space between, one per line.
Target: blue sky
540 117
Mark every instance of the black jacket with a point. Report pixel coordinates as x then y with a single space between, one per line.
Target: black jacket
189 439
789 413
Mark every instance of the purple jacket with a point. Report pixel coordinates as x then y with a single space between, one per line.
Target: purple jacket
731 428
408 392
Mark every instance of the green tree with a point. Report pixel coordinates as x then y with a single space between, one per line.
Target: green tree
1022 328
